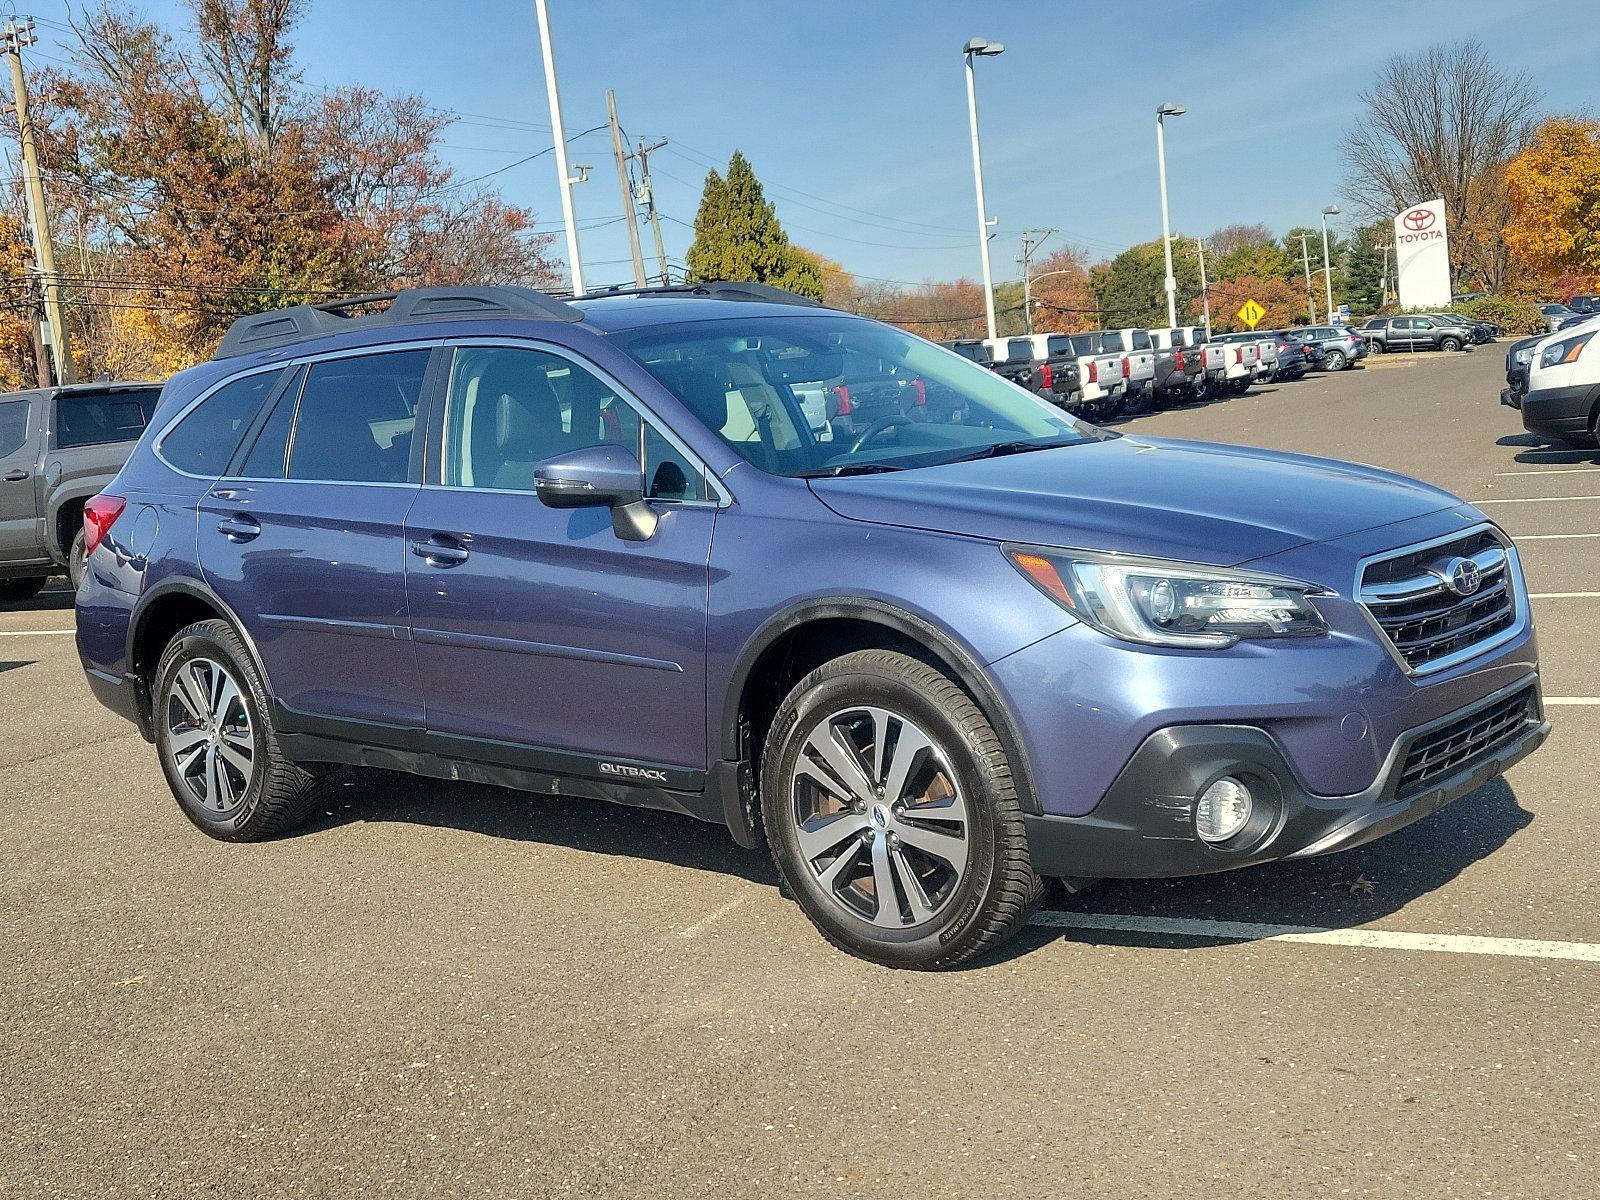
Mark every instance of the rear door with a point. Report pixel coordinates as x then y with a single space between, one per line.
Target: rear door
19 460
543 639
304 537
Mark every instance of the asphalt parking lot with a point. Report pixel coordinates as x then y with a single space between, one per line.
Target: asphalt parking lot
450 990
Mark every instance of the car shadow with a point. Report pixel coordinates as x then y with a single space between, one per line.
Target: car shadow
56 597
1535 450
1329 892
1337 891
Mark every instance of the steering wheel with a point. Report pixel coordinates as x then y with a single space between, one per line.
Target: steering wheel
879 426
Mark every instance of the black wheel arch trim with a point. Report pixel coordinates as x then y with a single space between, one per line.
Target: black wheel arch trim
969 672
185 585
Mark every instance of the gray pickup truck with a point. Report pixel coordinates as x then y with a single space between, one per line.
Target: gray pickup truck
58 447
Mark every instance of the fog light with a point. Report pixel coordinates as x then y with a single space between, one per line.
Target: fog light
1222 810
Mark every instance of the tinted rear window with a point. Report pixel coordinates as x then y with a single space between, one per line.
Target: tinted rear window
13 426
91 420
1141 340
1019 350
204 441
1111 343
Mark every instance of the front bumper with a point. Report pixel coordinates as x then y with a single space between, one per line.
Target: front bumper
1558 411
1144 826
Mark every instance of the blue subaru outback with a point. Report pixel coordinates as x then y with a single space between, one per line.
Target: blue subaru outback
629 547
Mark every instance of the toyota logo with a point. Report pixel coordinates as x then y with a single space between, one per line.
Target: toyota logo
1464 576
1418 219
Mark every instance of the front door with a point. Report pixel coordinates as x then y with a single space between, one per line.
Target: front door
19 495
543 639
304 539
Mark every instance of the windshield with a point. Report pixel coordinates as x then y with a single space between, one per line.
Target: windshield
818 395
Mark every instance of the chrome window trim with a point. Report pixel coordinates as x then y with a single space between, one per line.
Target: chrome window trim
721 497
1514 585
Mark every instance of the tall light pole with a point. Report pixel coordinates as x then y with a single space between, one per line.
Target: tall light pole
1327 267
1171 283
974 48
559 133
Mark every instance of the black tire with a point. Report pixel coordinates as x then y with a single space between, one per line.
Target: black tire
996 892
1376 347
277 795
77 561
1336 360
1450 345
13 591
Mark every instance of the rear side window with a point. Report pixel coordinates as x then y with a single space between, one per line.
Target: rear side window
356 418
269 455
110 417
204 441
1019 350
13 426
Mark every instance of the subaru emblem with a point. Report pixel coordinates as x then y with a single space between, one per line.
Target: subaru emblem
1464 576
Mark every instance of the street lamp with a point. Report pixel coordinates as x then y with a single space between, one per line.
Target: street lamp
974 48
1171 283
1327 267
563 172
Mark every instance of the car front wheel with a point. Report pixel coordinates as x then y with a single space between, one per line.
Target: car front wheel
893 816
214 734
1450 345
1336 360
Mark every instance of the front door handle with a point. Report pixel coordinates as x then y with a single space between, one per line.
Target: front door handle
15 476
239 528
441 550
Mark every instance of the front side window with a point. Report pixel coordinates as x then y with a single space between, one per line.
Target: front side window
1419 323
13 426
204 441
509 409
885 399
91 420
356 417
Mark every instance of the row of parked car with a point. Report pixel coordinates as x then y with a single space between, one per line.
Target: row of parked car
1107 373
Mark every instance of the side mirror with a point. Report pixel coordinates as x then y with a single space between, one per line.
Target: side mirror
599 475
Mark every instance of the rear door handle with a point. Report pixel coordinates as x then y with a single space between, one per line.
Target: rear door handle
239 528
441 550
15 476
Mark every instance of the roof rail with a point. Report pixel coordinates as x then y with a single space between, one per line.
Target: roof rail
711 289
284 326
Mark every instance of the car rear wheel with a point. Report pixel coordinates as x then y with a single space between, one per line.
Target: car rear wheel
1450 345
892 814
218 748
1336 360
1376 347
13 591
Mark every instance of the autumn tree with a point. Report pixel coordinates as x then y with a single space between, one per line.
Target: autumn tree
1282 303
1062 298
1229 238
1262 259
839 287
1554 189
1444 122
737 236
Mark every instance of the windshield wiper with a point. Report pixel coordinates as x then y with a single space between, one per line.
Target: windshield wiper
866 468
1001 449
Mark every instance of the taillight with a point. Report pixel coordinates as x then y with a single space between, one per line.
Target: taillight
1238 355
99 515
919 393
1127 371
1047 376
1094 371
1177 360
842 395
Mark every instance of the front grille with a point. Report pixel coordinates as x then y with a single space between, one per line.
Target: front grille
1430 623
1434 756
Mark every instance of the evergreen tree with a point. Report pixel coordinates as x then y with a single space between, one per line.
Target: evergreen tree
1364 274
1129 289
737 236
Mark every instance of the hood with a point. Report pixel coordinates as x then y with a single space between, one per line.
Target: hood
1193 501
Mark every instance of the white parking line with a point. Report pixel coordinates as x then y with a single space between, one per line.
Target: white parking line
1562 595
1554 471
1551 537
1366 939
1537 500
715 915
1571 700
37 632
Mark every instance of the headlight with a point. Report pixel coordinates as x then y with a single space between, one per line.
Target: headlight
1523 356
1564 351
1170 604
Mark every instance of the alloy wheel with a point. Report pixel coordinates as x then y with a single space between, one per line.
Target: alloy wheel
879 817
209 735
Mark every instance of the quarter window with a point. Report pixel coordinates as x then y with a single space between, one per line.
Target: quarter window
204 441
13 426
356 418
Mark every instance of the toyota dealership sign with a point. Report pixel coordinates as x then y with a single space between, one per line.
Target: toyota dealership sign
1422 256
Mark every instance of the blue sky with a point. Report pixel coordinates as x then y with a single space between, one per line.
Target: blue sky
854 113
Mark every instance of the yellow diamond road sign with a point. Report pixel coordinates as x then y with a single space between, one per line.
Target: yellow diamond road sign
1251 313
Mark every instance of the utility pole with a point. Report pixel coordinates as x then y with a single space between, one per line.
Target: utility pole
627 189
647 196
1205 293
13 39
1032 239
1305 259
559 134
